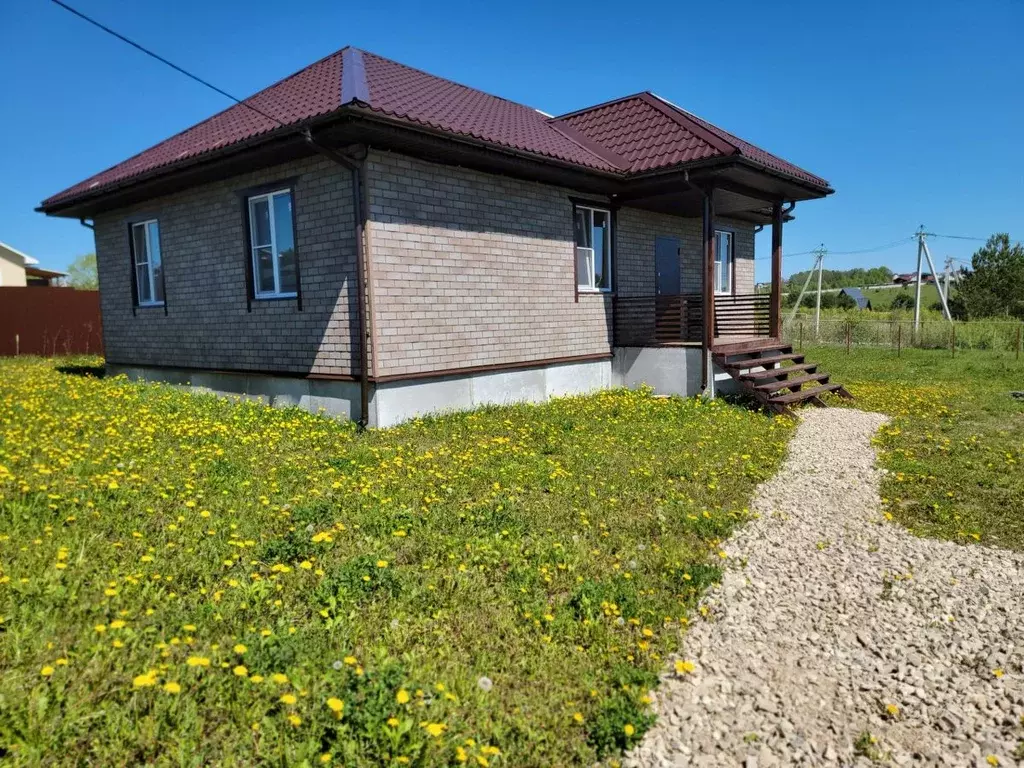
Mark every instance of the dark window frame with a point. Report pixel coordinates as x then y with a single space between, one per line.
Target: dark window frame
137 220
732 231
289 185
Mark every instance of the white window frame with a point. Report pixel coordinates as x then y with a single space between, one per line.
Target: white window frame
589 253
277 293
151 279
727 264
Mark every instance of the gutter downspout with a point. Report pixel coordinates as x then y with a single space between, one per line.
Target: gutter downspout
364 306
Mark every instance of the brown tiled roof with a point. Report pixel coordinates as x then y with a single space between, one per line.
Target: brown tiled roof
631 135
650 133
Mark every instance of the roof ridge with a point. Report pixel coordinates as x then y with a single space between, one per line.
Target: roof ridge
354 86
447 80
692 123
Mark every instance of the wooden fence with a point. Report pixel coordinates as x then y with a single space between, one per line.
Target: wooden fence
45 321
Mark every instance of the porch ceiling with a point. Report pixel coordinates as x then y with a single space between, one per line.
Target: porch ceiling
688 202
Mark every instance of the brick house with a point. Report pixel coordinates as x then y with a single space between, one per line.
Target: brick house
371 239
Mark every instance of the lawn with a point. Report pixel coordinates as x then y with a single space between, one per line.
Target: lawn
881 298
955 448
190 580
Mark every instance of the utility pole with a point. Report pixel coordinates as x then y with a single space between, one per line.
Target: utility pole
917 286
949 274
820 254
922 250
817 306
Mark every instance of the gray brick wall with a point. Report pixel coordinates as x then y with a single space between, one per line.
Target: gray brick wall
474 269
203 245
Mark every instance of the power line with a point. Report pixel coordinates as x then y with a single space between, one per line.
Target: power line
162 60
958 237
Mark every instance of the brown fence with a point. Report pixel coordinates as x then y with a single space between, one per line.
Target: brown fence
37 320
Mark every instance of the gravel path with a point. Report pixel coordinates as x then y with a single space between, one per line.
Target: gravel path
828 614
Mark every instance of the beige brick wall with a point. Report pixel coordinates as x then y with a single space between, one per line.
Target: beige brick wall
638 231
474 269
207 324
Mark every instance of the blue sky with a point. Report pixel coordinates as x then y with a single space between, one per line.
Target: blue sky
914 111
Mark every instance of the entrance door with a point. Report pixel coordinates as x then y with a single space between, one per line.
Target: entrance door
666 266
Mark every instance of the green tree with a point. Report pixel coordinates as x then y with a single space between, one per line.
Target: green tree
994 286
82 273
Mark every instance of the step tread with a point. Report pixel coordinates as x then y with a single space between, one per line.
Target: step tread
776 386
761 361
804 394
776 372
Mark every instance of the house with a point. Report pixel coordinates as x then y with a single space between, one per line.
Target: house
18 269
909 278
380 242
858 297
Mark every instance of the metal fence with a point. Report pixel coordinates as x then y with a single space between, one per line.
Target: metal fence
40 320
899 333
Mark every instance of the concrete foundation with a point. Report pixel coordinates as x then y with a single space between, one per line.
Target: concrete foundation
398 401
336 398
669 370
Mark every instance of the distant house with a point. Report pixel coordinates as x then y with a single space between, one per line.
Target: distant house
858 296
18 269
909 278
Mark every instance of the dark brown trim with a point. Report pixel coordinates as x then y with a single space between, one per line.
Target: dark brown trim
490 368
241 371
131 267
288 184
708 287
775 308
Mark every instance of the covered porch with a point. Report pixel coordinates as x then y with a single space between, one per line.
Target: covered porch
713 312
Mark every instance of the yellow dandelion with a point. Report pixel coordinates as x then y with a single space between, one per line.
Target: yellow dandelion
288 698
295 720
628 729
240 649
172 687
278 678
337 706
240 671
146 680
197 661
46 671
684 667
402 697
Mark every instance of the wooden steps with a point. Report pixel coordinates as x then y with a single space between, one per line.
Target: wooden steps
769 371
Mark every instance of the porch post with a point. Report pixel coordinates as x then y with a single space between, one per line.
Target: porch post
708 293
775 310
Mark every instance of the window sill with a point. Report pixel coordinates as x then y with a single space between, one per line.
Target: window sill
595 291
151 305
276 297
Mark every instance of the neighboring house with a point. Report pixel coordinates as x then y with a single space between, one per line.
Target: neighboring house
375 240
18 270
909 278
858 297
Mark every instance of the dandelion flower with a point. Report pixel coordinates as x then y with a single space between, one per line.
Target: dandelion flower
240 649
628 729
295 720
992 760
892 710
288 698
402 697
325 758
436 729
198 661
46 671
485 684
382 563
337 665
578 717
337 706
240 671
172 687
684 667
278 678
350 660
146 680
393 722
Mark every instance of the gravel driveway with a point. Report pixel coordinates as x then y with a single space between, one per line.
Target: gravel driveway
837 638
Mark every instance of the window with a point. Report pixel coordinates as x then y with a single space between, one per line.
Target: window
272 238
723 261
148 264
593 228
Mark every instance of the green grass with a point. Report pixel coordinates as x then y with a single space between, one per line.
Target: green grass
881 298
954 449
190 580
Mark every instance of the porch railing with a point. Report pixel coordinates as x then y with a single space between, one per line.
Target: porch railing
654 320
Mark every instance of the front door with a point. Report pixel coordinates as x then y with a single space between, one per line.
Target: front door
666 266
